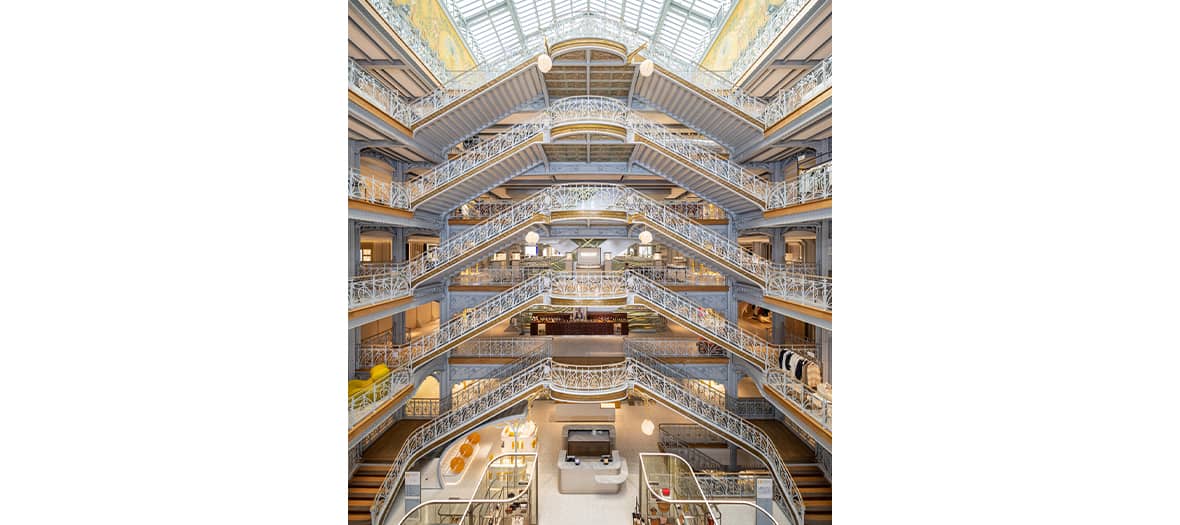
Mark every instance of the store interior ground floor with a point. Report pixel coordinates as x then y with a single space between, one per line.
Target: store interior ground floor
634 422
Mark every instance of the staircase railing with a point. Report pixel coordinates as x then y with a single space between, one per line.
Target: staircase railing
502 346
365 290
432 432
811 185
363 403
803 90
460 326
374 191
732 425
367 86
667 347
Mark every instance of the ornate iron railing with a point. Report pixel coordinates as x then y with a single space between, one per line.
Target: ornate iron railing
585 379
735 427
487 209
823 457
812 290
799 93
398 17
421 408
363 403
811 185
432 433
367 86
589 285
365 290
373 191
805 399
750 407
661 347
466 323
501 346
481 209
774 25
728 485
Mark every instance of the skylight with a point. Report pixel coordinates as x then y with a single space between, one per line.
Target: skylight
494 29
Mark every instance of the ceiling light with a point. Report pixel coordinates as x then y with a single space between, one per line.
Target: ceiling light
646 67
532 238
647 427
544 63
645 237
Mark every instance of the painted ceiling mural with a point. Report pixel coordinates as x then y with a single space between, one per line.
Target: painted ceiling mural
747 18
430 18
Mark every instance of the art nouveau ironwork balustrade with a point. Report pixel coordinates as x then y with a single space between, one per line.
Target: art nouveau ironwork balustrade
811 185
803 90
668 347
363 403
366 85
502 346
374 191
365 290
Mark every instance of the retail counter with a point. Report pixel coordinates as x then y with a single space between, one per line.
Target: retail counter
591 476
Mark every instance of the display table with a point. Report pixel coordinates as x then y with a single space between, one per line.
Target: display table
591 476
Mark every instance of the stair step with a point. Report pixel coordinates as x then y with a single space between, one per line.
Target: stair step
363 492
820 493
811 481
359 505
372 469
818 518
357 518
804 470
817 505
366 481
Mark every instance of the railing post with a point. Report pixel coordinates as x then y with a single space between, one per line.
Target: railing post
764 497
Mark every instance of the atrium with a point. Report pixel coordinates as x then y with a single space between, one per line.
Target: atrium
590 262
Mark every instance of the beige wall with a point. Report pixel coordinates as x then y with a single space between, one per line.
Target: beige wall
431 19
747 18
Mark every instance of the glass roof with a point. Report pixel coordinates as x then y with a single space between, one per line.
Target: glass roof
493 29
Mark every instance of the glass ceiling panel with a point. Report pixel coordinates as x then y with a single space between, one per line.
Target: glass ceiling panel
495 28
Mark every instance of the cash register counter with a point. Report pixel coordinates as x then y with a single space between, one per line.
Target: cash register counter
591 476
589 463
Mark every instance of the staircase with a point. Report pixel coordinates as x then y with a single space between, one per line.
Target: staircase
362 489
816 491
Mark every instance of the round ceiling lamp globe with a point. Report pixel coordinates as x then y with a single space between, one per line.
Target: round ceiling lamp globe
544 63
647 67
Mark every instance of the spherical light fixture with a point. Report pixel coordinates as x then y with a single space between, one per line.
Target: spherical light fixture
544 63
646 68
532 238
647 427
645 237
